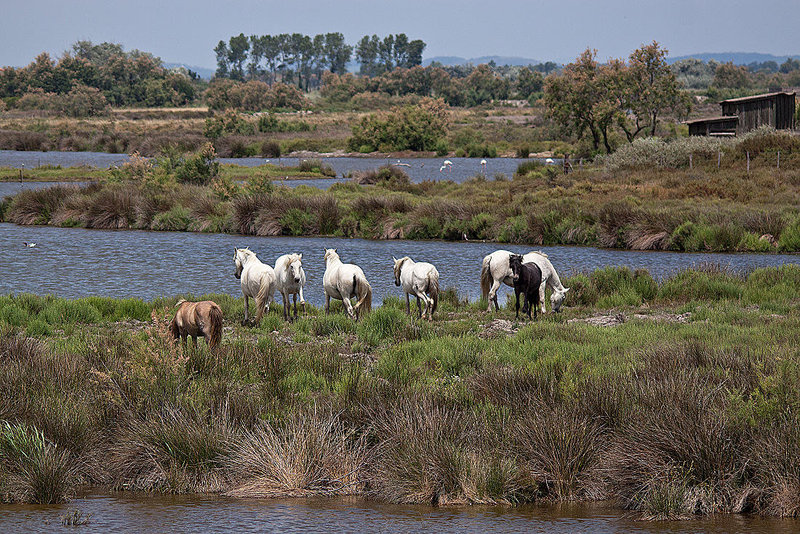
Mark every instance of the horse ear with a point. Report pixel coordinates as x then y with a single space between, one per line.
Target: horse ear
301 256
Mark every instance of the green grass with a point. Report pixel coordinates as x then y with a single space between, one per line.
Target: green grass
644 412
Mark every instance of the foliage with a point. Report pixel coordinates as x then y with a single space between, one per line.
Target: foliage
419 127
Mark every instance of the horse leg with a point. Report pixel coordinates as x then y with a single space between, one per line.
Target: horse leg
348 306
493 295
408 304
246 309
286 310
294 299
302 301
542 300
327 304
516 293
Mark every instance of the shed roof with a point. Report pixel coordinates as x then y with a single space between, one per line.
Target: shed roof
764 96
723 118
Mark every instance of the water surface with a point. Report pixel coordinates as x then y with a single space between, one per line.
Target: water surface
418 169
164 513
76 262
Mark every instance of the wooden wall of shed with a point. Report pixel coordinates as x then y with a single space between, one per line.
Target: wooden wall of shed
777 111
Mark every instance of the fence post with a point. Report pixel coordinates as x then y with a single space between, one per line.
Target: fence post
690 161
748 162
719 158
779 160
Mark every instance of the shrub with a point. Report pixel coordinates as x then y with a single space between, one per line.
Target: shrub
199 169
270 149
419 127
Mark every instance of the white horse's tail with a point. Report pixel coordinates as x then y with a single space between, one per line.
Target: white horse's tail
486 276
364 292
265 291
433 289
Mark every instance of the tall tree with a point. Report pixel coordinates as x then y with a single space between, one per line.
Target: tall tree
223 64
579 99
367 54
648 90
237 54
337 53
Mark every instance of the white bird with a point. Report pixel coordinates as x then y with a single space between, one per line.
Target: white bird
549 161
442 168
448 162
29 245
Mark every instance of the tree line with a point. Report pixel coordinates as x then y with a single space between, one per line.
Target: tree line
105 71
301 59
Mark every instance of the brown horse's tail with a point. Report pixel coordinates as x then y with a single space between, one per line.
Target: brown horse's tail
173 328
215 328
364 291
486 277
433 289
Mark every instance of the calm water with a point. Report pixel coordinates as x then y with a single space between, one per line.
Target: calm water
133 513
418 169
75 262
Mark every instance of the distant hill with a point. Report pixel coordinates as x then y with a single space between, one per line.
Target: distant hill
499 60
203 72
738 58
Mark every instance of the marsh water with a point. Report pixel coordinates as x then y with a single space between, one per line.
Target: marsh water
76 262
418 169
159 513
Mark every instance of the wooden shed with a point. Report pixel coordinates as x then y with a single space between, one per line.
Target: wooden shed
714 126
771 109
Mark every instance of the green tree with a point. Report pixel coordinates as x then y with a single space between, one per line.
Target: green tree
237 55
647 89
730 76
223 63
578 99
367 55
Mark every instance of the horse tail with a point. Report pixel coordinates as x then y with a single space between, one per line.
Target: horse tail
173 328
265 291
215 328
433 289
364 291
486 276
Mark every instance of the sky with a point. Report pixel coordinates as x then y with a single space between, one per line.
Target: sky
184 31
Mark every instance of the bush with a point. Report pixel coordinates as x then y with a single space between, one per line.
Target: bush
199 169
270 149
420 127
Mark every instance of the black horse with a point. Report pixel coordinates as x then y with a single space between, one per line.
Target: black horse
527 279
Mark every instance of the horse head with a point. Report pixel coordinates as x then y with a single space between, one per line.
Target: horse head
557 299
295 267
515 263
240 256
330 255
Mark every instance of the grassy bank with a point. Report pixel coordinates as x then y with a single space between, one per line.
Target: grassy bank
620 204
672 399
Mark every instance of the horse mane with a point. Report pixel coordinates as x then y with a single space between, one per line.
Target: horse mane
539 252
178 304
398 266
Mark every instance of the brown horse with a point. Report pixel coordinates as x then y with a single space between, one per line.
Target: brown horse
197 319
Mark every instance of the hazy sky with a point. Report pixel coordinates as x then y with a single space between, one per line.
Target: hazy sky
187 31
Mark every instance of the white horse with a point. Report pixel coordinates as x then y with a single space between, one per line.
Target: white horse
495 271
420 279
343 281
290 279
258 281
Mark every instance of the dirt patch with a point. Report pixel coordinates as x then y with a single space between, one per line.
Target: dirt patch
619 318
498 327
